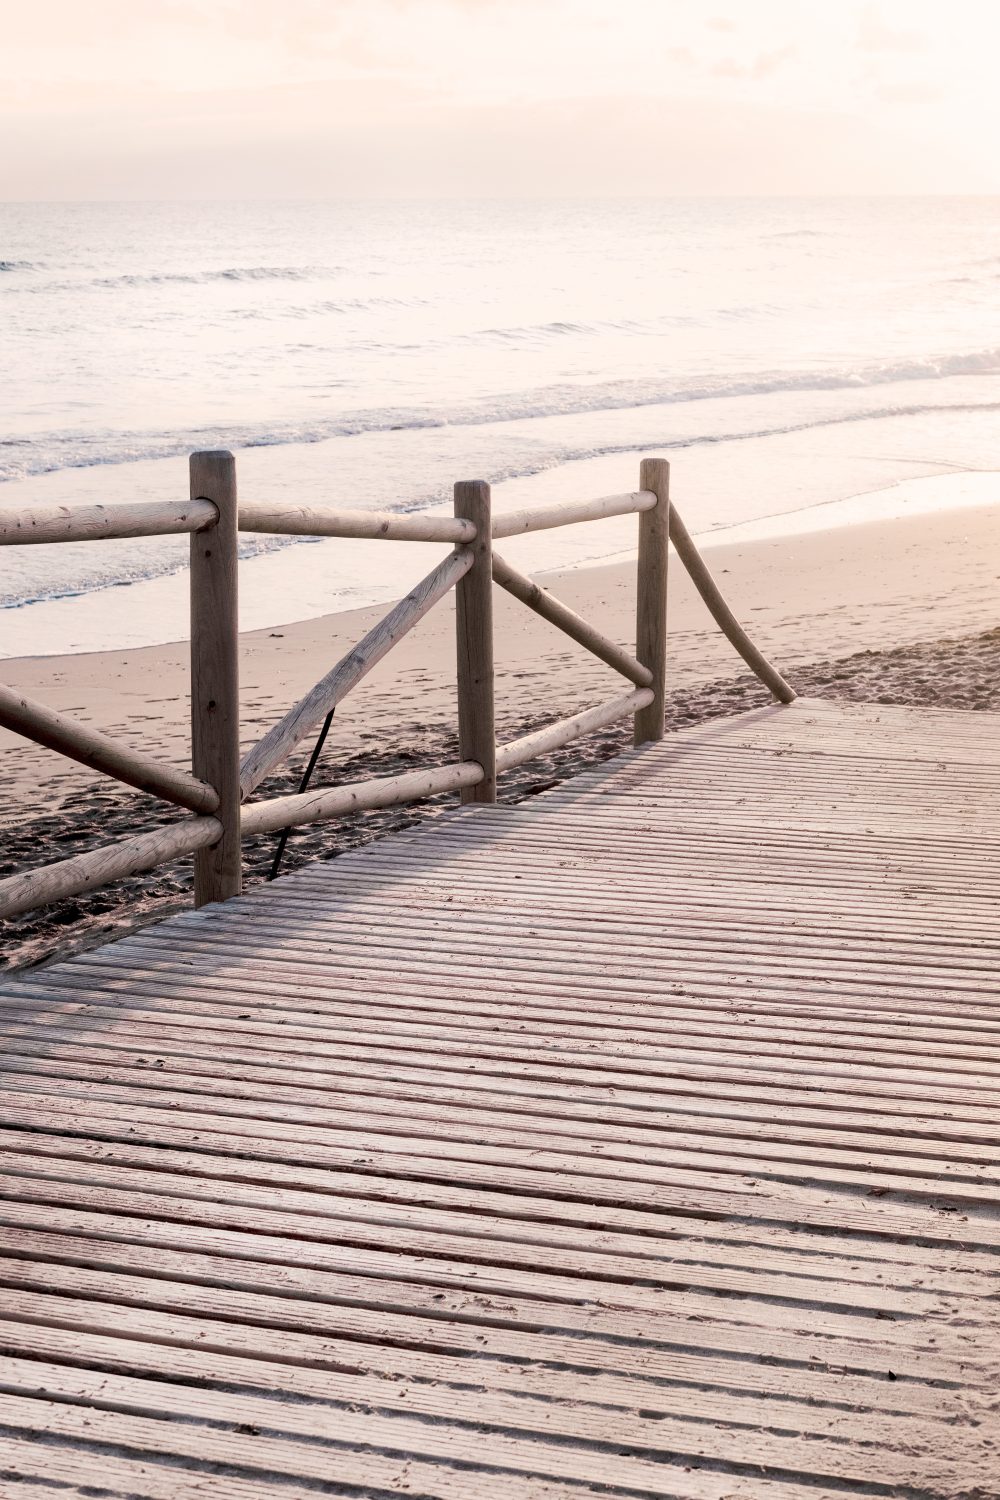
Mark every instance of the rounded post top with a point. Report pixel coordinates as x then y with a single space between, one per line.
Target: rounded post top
477 487
654 475
213 477
472 503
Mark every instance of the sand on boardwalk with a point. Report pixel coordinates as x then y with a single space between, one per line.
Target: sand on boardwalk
904 611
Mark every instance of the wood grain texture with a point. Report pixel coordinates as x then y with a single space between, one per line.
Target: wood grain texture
567 620
570 513
279 742
86 872
721 613
98 523
317 520
80 742
564 731
642 1139
359 796
651 596
215 681
474 642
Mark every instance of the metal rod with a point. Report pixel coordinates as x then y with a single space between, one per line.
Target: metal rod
317 751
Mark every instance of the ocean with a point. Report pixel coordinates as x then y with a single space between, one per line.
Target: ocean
796 359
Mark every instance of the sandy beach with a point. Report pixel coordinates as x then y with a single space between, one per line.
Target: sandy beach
901 611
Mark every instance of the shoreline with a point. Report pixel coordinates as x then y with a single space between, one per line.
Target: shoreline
133 594
906 607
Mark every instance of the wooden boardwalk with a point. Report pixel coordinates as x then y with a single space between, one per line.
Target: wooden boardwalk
643 1140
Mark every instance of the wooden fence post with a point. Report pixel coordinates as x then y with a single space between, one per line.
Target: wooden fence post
474 632
215 693
651 603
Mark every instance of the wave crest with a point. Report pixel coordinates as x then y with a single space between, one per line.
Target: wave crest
225 273
70 450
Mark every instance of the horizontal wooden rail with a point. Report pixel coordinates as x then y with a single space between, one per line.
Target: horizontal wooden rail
90 747
84 872
280 741
723 615
567 620
514 522
554 736
357 796
101 523
213 512
303 520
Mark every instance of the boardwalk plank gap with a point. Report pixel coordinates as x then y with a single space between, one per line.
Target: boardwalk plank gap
640 1140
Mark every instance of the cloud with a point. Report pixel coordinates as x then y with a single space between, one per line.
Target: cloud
910 93
356 142
875 36
762 66
720 23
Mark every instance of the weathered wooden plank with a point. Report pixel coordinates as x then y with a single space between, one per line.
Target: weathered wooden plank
633 1065
274 1043
648 1127
268 1462
706 1139
525 1229
491 1331
415 1240
951 1458
775 950
814 1010
873 1256
821 1017
699 1164
714 1379
78 1470
469 1292
559 1107
702 1195
743 1198
474 941
395 1395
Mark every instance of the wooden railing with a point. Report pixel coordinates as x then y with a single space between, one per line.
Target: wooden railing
219 783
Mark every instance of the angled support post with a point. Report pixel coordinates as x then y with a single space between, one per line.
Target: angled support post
215 694
474 632
651 603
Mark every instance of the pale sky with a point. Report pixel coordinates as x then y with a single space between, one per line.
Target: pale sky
432 98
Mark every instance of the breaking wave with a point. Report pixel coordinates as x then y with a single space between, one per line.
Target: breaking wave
172 278
45 453
227 273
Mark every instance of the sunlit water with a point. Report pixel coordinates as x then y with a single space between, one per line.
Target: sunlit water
785 354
